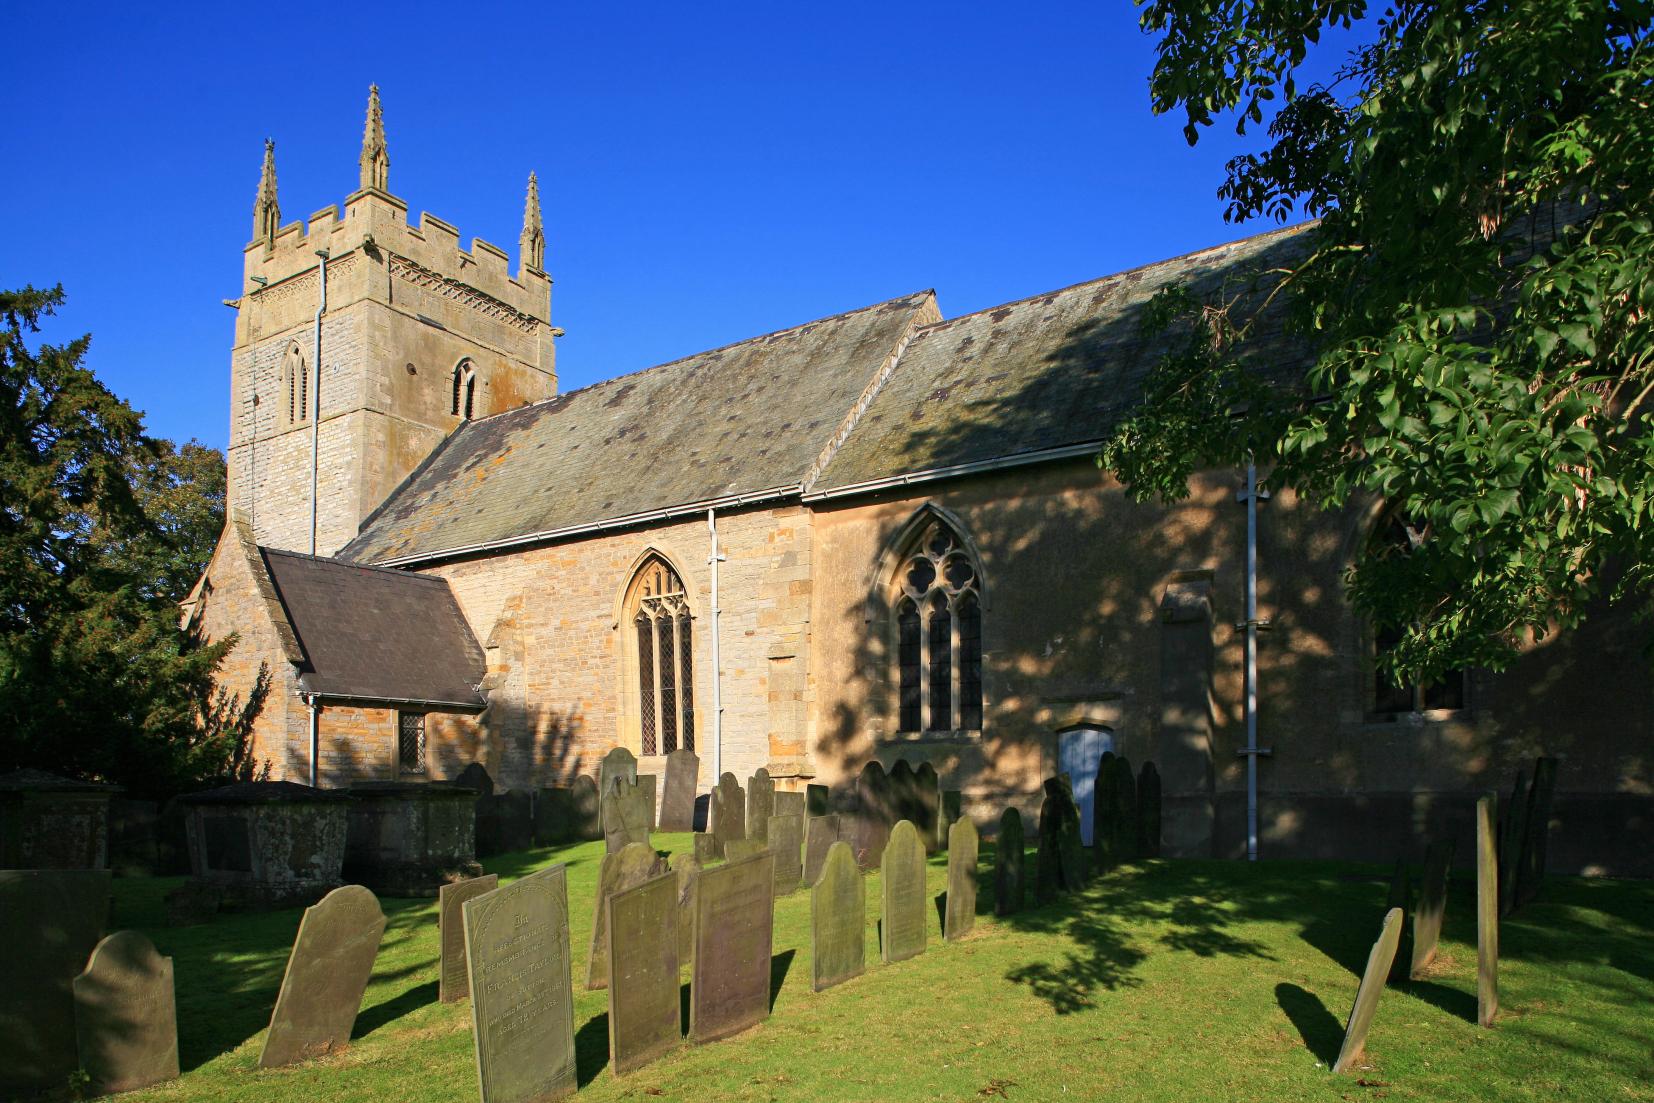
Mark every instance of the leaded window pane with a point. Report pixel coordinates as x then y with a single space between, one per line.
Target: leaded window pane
908 660
668 687
939 673
411 742
646 680
941 665
970 663
687 683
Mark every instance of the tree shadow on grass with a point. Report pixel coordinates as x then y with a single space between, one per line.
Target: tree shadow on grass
1321 1031
394 1008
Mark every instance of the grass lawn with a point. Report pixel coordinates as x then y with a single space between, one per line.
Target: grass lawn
1165 981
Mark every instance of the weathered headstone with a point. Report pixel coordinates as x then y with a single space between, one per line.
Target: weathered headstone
739 850
651 794
818 801
1008 864
786 842
688 869
1125 800
902 926
475 776
1530 871
789 804
644 1010
1047 860
677 802
873 819
588 808
734 918
729 813
619 762
953 803
126 1021
625 869
453 982
904 793
522 989
50 921
838 919
625 815
327 972
505 822
1513 830
1065 824
1427 917
1148 812
963 844
1487 912
706 848
927 798
555 817
1366 996
760 804
1401 896
1105 813
819 837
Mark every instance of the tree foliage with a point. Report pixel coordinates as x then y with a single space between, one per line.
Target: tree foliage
1476 301
102 530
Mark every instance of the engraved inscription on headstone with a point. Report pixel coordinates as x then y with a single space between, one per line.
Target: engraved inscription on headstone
628 868
126 1022
760 804
902 924
643 973
786 842
962 852
821 834
1427 917
729 813
734 918
453 982
50 921
1487 913
327 972
872 815
1008 864
522 989
677 802
838 919
625 814
1366 996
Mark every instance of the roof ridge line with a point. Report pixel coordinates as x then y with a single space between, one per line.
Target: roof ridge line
335 561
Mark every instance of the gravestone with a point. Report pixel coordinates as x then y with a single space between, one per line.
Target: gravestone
902 927
688 869
1513 829
522 989
505 822
619 762
873 807
625 869
963 844
406 838
647 783
1125 800
126 1021
1427 917
556 819
1530 870
904 794
1148 812
453 982
50 922
625 815
588 809
327 972
734 918
52 822
729 814
953 803
677 801
1366 996
789 804
818 801
475 776
1065 826
1105 813
1008 864
1047 862
786 842
741 849
927 801
1487 912
760 804
643 973
819 837
706 848
838 919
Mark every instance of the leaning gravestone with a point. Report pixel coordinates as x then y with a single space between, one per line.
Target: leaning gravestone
588 808
903 927
126 1022
1065 826
760 804
819 837
522 989
327 972
1047 862
453 982
1427 917
729 814
873 820
1487 912
625 815
619 762
786 842
50 922
1008 864
838 919
677 801
1366 996
643 973
734 918
625 869
927 802
1148 812
962 851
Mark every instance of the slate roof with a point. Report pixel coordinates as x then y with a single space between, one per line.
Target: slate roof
1054 370
738 420
374 634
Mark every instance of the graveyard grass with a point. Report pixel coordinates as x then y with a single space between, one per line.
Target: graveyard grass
1163 981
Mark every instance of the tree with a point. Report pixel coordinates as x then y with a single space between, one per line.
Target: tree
1476 303
102 530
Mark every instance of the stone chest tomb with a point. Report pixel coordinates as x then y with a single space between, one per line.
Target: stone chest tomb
267 843
409 838
51 822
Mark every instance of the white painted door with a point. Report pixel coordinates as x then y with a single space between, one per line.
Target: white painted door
1079 749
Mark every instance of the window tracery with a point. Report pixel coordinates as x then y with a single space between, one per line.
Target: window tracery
938 634
664 638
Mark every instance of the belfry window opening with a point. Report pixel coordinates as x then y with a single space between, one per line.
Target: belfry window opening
464 399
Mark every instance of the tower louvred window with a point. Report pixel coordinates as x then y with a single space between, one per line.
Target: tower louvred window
938 634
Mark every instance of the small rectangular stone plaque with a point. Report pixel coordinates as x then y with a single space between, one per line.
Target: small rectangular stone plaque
453 983
734 919
643 973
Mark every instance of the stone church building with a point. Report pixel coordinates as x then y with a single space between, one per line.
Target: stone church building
880 534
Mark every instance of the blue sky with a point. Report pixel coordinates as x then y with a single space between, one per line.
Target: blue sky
708 172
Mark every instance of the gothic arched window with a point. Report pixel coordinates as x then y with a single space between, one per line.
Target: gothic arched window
663 636
1395 536
937 606
464 390
295 385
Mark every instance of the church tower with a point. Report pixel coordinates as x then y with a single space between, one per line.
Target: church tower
362 341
